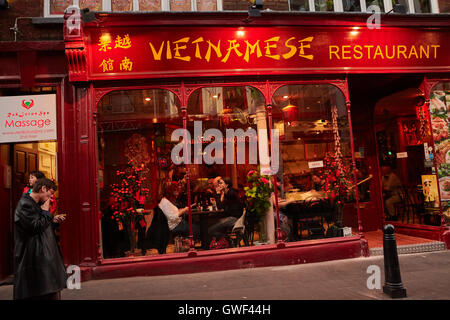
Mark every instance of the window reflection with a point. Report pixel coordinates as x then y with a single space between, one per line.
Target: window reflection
316 158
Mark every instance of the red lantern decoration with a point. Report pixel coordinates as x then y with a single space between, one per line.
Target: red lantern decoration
290 113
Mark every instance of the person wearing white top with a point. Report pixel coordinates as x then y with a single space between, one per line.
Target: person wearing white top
175 220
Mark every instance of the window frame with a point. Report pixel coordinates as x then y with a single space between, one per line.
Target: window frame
106 6
339 7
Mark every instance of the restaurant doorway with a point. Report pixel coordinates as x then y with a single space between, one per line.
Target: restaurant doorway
392 151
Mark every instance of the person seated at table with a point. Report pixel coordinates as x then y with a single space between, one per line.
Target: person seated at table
391 190
228 200
174 215
317 182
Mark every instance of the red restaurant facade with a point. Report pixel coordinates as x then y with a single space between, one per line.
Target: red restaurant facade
151 73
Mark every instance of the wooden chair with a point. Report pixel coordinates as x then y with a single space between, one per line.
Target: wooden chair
311 219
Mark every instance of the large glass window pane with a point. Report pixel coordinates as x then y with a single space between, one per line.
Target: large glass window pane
422 6
316 159
134 130
404 3
234 114
324 5
299 5
378 3
440 115
351 5
444 6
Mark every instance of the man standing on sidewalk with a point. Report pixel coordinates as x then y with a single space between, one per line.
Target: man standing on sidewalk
39 271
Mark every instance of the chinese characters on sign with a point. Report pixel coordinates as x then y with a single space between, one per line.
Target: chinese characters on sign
104 44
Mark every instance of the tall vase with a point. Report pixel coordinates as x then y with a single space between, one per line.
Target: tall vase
262 230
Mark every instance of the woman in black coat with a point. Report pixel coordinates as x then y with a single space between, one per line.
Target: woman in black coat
39 270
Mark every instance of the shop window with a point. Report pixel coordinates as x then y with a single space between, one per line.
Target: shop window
379 3
299 5
324 5
422 6
316 158
405 3
236 114
351 5
133 130
440 113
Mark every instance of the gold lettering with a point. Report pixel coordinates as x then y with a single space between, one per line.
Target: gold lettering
387 52
168 51
126 64
157 55
216 49
413 49
358 51
107 65
291 52
378 52
435 46
345 51
426 53
302 50
271 46
251 49
233 47
335 51
403 51
197 49
178 48
368 51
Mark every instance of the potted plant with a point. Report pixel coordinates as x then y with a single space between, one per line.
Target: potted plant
129 197
258 192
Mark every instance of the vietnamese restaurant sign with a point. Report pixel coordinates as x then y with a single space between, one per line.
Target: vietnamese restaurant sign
146 51
28 118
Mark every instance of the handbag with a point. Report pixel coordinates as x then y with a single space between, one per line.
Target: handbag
239 225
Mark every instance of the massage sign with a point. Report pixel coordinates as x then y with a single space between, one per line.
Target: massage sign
28 118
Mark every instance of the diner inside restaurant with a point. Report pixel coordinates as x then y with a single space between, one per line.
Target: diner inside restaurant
151 206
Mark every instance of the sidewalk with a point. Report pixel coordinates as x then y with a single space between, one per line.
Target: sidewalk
424 275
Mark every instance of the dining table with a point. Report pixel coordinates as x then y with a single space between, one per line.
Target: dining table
300 205
204 216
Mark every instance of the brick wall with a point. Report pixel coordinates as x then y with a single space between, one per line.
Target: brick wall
30 32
